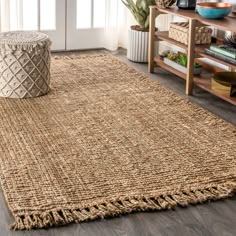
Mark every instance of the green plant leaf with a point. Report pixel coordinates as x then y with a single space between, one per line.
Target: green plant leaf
146 23
140 10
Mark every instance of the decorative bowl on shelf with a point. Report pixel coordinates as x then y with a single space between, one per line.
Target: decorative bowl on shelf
179 61
183 69
226 79
214 10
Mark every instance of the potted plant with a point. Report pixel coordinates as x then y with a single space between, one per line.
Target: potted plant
139 34
178 61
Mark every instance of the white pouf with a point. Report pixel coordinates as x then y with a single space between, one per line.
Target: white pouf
24 64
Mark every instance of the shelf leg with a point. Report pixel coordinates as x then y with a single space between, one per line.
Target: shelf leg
191 51
153 15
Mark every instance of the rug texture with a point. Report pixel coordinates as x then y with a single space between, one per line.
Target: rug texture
107 141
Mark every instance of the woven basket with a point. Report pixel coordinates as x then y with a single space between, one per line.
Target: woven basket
179 31
165 3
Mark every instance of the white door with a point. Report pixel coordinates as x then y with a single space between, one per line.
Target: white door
53 22
47 16
85 24
71 24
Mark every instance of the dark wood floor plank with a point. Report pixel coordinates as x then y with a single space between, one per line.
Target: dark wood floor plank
183 222
220 216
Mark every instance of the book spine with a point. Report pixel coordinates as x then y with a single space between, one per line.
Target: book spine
223 51
220 56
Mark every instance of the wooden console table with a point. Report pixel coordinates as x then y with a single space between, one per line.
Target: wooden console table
193 51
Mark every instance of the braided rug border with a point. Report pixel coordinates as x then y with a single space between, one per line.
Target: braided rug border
121 206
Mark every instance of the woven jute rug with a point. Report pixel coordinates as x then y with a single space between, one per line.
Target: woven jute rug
107 141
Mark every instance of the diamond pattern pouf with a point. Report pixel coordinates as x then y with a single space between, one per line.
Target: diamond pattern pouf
24 64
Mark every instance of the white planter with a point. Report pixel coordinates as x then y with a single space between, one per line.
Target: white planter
180 68
138 46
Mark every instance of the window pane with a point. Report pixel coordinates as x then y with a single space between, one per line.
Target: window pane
99 14
48 14
13 15
83 14
30 14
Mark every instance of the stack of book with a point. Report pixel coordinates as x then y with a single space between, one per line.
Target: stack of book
223 52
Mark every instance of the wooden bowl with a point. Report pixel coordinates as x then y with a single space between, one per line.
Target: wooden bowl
225 78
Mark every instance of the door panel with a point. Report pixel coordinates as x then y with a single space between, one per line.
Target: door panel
71 24
53 21
47 16
85 24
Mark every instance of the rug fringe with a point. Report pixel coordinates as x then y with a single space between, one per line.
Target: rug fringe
36 220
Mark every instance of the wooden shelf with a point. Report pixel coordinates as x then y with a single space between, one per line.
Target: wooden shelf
199 49
194 52
228 23
163 35
204 82
160 63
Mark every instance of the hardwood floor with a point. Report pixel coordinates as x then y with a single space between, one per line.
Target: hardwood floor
210 219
